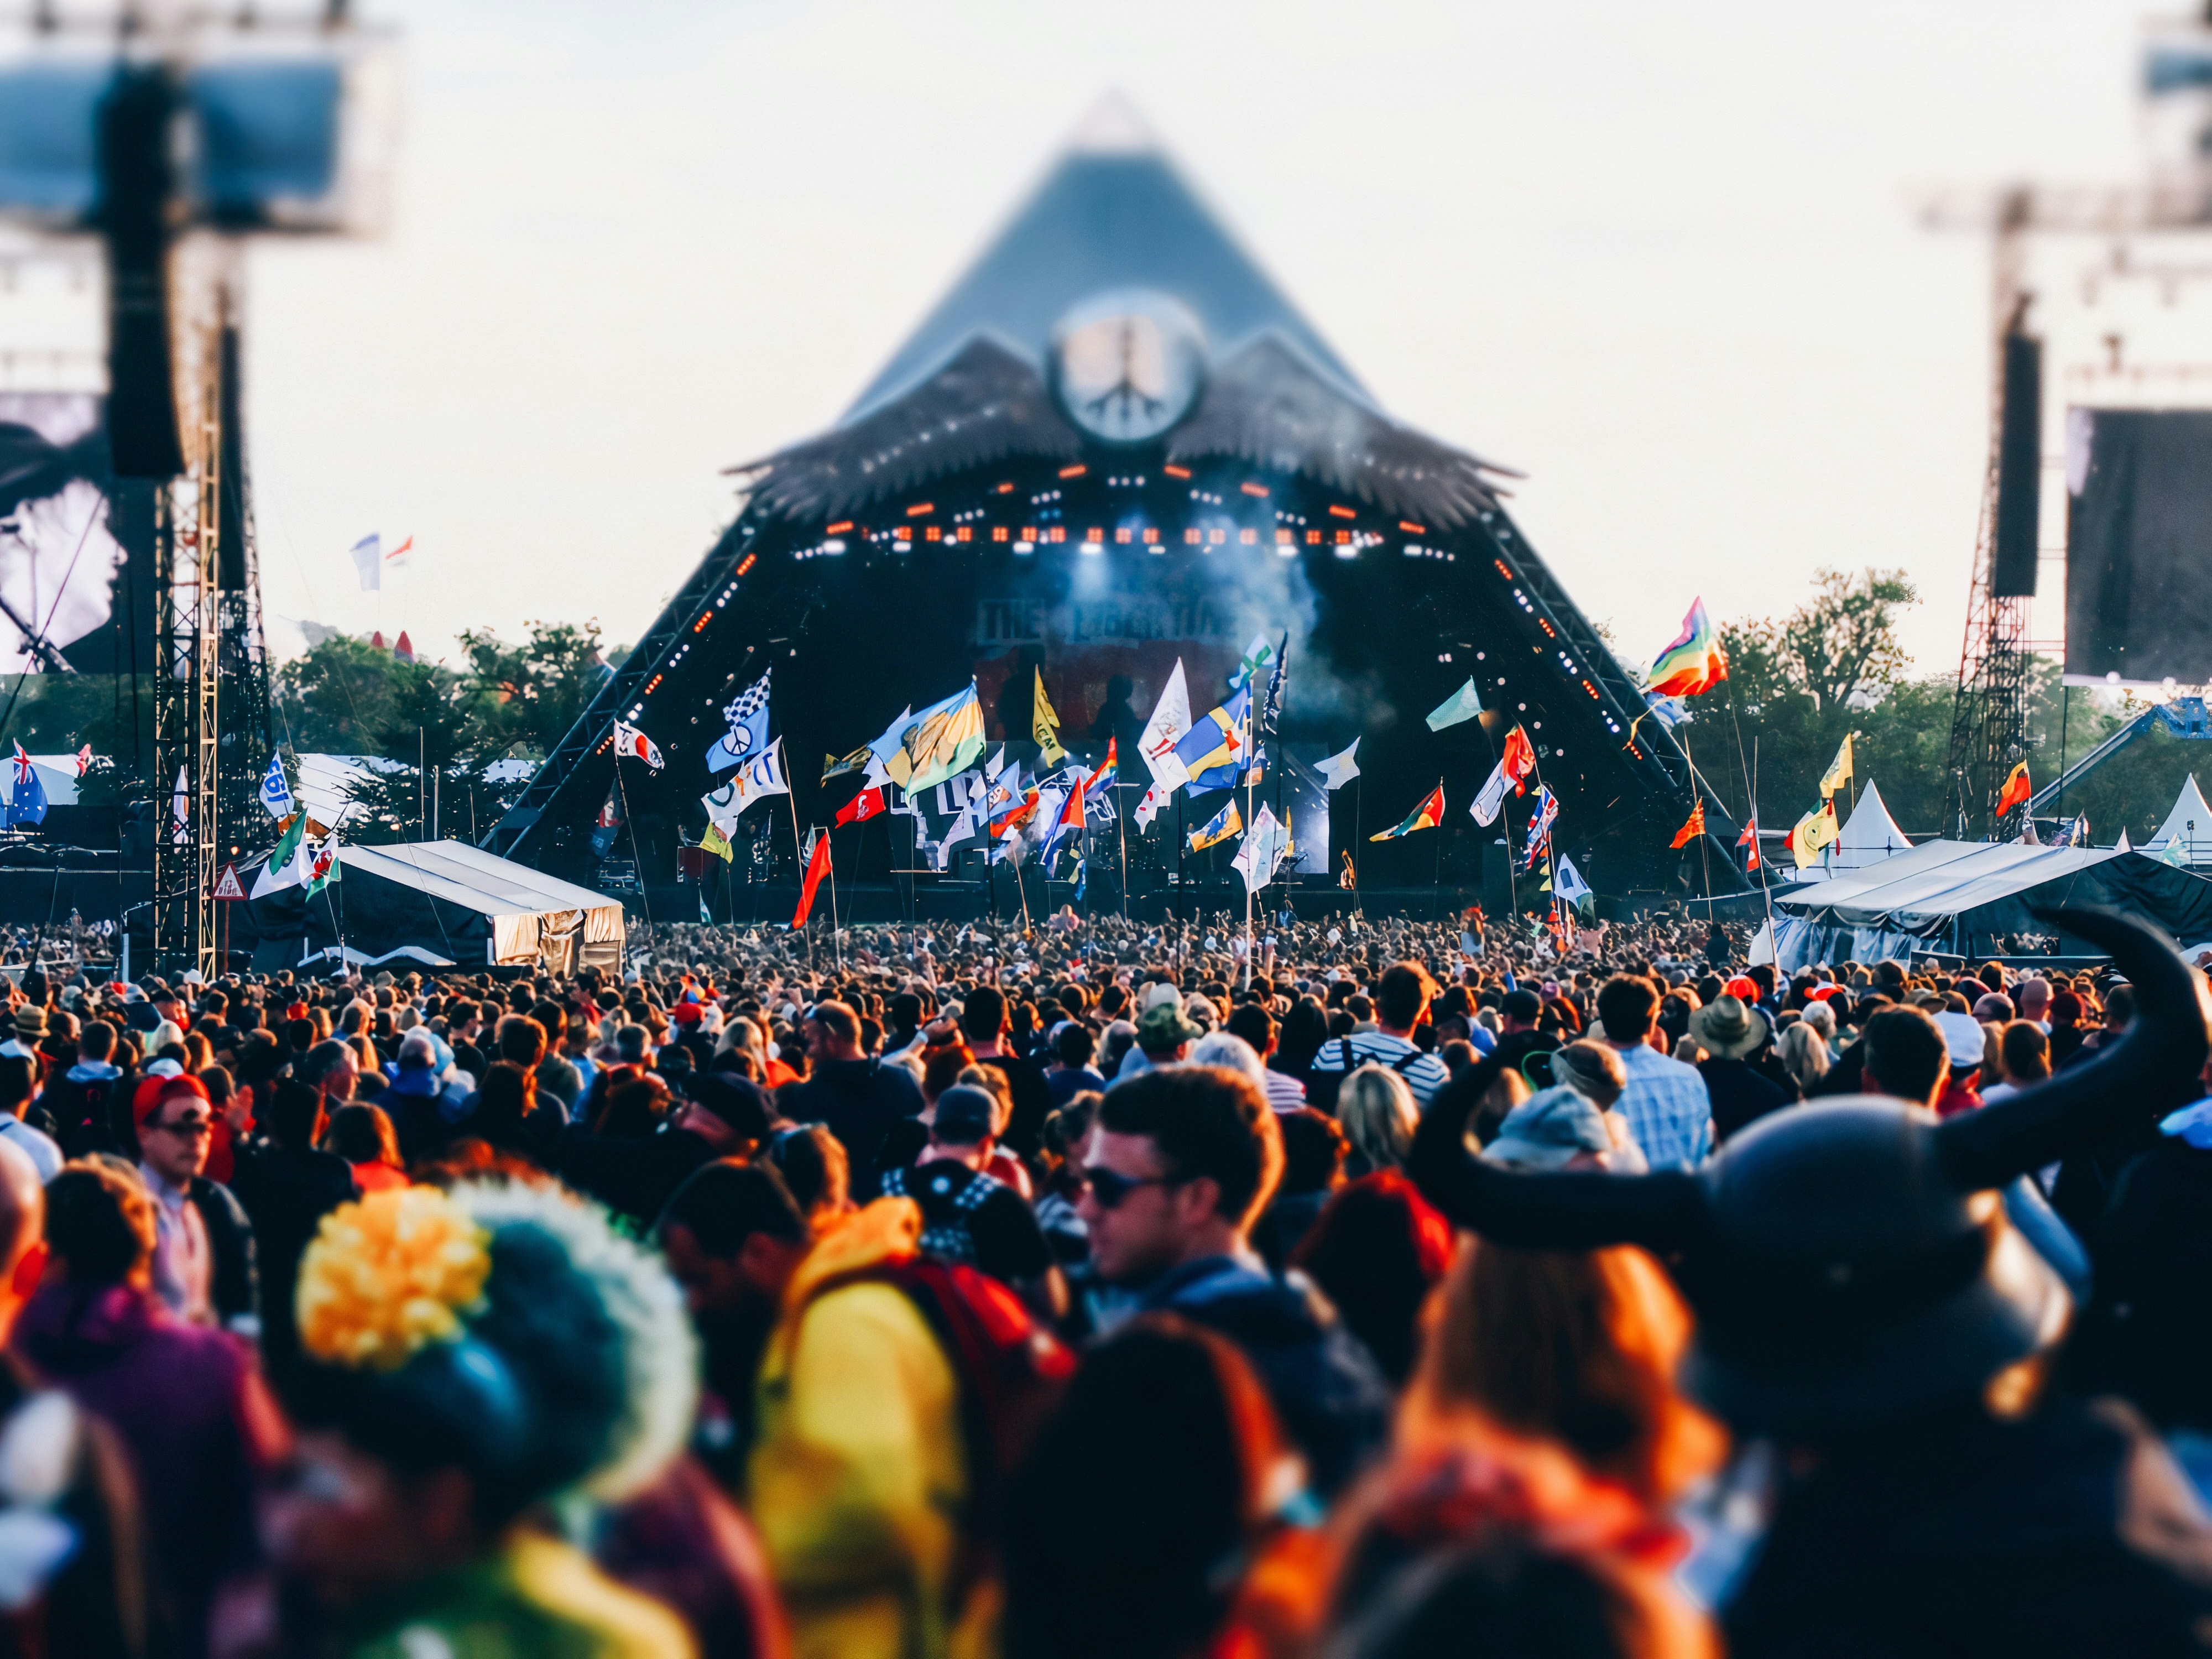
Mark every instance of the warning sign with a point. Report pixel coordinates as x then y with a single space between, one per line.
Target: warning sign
229 887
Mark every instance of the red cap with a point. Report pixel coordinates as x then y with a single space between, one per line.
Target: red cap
1743 988
687 1013
153 1091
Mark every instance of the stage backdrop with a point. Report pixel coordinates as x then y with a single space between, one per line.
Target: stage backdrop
2139 546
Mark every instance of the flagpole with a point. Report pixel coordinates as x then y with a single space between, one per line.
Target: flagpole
1122 830
1439 901
837 944
1764 889
1358 839
636 857
798 853
1704 856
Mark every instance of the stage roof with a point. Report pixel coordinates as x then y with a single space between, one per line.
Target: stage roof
470 876
1112 213
1998 887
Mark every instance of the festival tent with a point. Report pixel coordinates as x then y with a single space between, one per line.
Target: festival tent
2189 824
445 897
1953 895
1869 836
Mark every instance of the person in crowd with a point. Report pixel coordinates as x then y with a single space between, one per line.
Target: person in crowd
1375 1106
471 1354
1402 1003
2023 1059
1184 1477
79 1581
35 1144
287 1184
1731 1033
1666 1102
1181 1163
205 1268
1805 1055
969 1216
1378 1251
187 1401
1256 1026
857 1095
1163 1037
985 1021
364 1138
1572 1125
1072 1073
81 1094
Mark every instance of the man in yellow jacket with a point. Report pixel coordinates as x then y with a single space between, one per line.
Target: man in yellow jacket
857 1479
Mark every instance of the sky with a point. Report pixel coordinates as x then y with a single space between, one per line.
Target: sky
1665 260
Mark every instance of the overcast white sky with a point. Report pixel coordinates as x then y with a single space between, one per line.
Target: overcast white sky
1663 259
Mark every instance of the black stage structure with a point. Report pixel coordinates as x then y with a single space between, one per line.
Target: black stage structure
1113 444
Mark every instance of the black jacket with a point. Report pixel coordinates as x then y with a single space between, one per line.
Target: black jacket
286 1193
1740 1095
235 1286
859 1100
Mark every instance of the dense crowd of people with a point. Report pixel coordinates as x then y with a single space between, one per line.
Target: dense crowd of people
1381 1289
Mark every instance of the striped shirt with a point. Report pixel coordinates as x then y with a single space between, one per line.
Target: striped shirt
1424 1073
1284 1092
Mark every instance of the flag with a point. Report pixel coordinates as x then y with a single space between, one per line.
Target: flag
1340 769
942 741
716 842
832 767
868 803
28 804
1541 818
1257 655
403 647
181 809
1044 724
634 744
2173 853
1229 821
1106 771
318 863
817 866
1694 663
2016 790
1212 753
1170 723
1016 815
1813 832
1427 816
1148 808
762 776
1839 769
1262 855
1463 705
747 715
398 558
705 914
368 560
1571 886
1750 838
275 793
84 760
1348 877
1070 820
1693 828
1513 768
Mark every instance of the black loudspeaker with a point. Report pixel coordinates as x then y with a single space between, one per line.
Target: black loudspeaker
2019 468
135 189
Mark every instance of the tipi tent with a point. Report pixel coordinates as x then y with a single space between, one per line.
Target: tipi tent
2189 824
1870 836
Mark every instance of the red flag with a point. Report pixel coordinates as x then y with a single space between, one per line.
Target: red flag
1071 816
2017 789
817 867
1016 815
1519 759
862 807
1750 838
1693 829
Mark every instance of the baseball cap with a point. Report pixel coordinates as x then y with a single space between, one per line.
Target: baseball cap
154 1090
964 1114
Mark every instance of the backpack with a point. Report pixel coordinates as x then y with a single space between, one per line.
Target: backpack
1011 1371
1321 1086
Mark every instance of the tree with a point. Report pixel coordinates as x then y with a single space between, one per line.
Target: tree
527 697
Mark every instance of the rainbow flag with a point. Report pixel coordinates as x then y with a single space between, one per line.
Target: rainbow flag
1427 816
1694 663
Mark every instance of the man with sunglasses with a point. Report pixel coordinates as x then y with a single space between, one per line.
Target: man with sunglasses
1181 1162
203 1257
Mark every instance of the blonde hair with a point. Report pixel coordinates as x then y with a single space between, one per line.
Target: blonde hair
1804 1055
1379 1117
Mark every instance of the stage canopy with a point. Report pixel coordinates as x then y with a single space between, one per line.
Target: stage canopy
1115 447
444 897
1956 897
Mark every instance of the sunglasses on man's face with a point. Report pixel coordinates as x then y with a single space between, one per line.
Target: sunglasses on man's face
1109 1188
188 1128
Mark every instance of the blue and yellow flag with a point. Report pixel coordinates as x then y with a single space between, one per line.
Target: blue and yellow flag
1215 751
1228 821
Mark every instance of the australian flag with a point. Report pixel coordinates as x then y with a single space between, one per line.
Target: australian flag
27 805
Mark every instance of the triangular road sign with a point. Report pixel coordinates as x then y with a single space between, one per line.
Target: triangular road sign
229 886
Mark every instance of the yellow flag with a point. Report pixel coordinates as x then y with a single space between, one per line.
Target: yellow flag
1045 726
718 844
1814 831
1839 769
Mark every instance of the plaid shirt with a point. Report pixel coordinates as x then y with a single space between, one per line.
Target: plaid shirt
1667 1108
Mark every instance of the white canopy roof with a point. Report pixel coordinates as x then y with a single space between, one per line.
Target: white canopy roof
2189 824
473 878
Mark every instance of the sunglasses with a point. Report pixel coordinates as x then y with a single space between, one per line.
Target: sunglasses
1109 1188
188 1128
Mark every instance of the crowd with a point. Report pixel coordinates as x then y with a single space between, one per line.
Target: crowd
1385 1290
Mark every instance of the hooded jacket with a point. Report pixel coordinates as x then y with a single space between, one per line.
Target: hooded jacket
858 1475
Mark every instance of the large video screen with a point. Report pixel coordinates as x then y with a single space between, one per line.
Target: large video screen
57 551
2139 546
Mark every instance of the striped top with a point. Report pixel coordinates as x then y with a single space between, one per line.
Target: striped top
1424 1073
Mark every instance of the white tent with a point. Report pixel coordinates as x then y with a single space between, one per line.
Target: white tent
1868 837
2188 824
